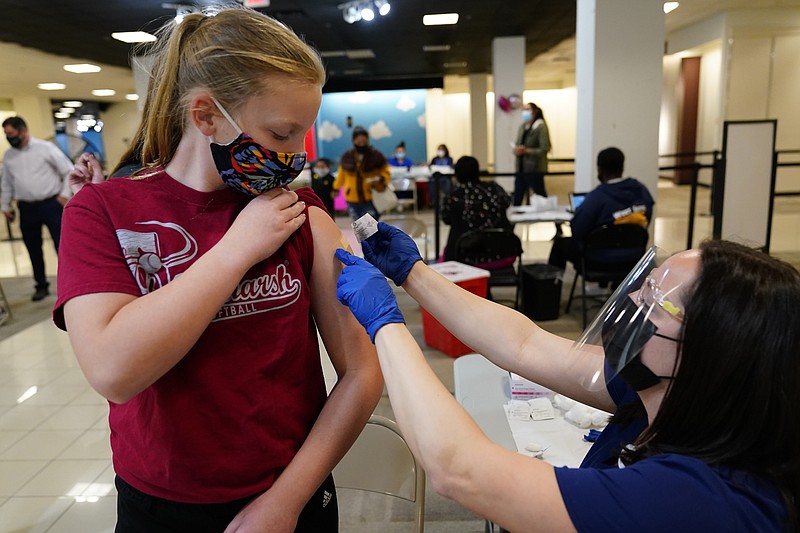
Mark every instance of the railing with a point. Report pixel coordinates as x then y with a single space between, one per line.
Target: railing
694 166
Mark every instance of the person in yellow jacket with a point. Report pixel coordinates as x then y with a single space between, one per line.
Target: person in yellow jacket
361 169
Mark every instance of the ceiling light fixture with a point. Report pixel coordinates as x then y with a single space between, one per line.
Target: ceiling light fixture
440 19
383 7
52 86
436 48
131 37
132 97
82 68
104 92
364 10
73 103
670 7
367 13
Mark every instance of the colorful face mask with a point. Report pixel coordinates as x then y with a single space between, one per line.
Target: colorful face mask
246 166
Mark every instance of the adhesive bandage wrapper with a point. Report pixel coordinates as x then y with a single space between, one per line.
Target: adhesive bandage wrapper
365 227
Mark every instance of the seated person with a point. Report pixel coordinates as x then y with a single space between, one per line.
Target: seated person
616 200
474 204
399 159
442 156
440 184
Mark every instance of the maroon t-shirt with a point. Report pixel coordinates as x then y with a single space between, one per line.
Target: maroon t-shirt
225 421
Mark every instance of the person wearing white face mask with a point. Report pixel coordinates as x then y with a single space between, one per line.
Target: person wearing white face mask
192 297
322 182
442 156
399 159
531 148
441 184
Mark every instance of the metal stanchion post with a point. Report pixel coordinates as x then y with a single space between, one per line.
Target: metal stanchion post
436 194
692 204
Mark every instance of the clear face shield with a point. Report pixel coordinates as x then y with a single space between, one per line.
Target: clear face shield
648 298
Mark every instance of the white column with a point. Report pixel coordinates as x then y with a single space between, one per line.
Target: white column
37 113
508 64
479 149
619 49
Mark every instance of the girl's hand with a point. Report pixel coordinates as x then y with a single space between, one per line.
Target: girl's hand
265 223
264 515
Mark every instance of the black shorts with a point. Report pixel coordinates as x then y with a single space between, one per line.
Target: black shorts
138 512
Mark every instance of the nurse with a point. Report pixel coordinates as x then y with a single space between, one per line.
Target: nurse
697 357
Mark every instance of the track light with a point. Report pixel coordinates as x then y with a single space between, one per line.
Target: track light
383 7
363 10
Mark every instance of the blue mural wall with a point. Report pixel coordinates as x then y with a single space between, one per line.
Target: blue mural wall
69 144
389 116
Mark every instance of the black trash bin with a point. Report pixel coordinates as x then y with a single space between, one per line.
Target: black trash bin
541 291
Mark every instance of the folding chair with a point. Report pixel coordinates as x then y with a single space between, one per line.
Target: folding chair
406 191
609 254
491 249
414 227
381 461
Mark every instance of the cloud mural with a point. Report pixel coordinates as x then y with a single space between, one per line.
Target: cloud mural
405 104
379 130
329 131
359 97
389 116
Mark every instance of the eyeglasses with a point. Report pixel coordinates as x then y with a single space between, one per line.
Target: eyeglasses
651 294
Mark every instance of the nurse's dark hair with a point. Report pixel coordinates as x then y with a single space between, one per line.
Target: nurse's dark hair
735 400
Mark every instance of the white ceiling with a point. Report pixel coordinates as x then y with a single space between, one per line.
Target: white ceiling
24 68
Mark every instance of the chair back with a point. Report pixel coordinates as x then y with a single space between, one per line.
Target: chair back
614 248
482 247
413 227
380 461
406 191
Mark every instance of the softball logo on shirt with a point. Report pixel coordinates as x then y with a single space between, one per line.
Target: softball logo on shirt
152 263
153 258
269 292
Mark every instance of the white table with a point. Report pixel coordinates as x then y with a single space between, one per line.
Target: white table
481 387
527 214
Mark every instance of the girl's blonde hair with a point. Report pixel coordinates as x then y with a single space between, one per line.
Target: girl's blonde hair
228 50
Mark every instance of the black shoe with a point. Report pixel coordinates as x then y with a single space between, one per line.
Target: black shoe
40 294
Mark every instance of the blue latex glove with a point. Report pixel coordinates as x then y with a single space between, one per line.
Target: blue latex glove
364 290
392 251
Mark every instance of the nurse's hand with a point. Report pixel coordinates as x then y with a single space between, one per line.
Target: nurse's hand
364 290
392 251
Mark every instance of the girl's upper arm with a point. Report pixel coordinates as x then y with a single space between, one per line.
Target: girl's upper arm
346 342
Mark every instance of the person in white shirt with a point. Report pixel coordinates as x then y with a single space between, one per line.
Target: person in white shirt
34 174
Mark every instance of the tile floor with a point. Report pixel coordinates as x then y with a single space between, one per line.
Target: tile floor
55 469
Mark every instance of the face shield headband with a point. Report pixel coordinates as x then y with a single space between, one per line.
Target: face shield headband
612 343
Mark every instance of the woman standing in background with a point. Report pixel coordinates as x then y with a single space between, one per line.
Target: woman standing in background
361 169
532 146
